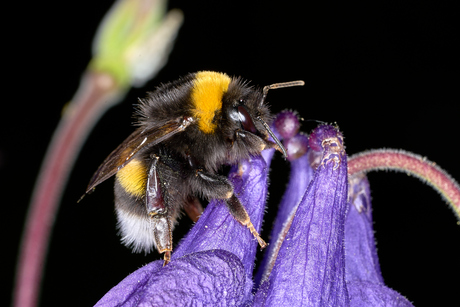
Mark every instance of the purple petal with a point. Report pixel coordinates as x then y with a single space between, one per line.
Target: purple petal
213 264
300 177
214 277
131 287
364 294
267 155
310 267
217 229
361 255
362 270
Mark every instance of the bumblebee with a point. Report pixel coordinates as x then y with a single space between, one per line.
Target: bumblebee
187 130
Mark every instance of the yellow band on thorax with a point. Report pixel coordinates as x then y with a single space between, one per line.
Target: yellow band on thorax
207 92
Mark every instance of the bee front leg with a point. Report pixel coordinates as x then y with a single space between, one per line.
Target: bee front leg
240 214
219 187
211 186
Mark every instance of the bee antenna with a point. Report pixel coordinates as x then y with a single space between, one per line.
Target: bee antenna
278 142
279 85
264 96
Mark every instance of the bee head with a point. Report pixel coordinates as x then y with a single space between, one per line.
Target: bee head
244 120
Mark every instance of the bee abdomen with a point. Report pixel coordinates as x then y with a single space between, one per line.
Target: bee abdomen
136 231
133 178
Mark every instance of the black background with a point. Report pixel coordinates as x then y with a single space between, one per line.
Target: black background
386 73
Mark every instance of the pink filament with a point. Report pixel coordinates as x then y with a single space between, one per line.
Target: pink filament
96 92
399 160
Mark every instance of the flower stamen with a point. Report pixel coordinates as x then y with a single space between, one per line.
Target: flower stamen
333 151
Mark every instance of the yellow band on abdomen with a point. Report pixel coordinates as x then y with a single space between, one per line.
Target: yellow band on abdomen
133 178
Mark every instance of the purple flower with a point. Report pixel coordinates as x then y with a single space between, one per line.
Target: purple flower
213 264
322 250
309 269
362 269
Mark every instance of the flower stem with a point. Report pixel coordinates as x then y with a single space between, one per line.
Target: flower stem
97 93
412 164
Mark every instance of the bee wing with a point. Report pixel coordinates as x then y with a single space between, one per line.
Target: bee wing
138 140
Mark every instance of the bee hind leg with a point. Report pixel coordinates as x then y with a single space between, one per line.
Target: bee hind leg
162 220
162 232
166 257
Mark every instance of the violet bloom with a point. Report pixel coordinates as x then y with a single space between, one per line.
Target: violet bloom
213 264
362 269
322 251
309 269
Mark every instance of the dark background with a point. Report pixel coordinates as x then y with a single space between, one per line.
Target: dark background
386 73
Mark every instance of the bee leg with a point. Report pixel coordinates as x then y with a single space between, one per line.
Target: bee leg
156 209
240 214
166 257
253 141
154 201
211 185
193 208
162 232
219 187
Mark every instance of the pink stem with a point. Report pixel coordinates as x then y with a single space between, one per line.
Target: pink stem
96 94
399 160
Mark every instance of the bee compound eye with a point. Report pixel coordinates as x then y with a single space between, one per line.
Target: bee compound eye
246 120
